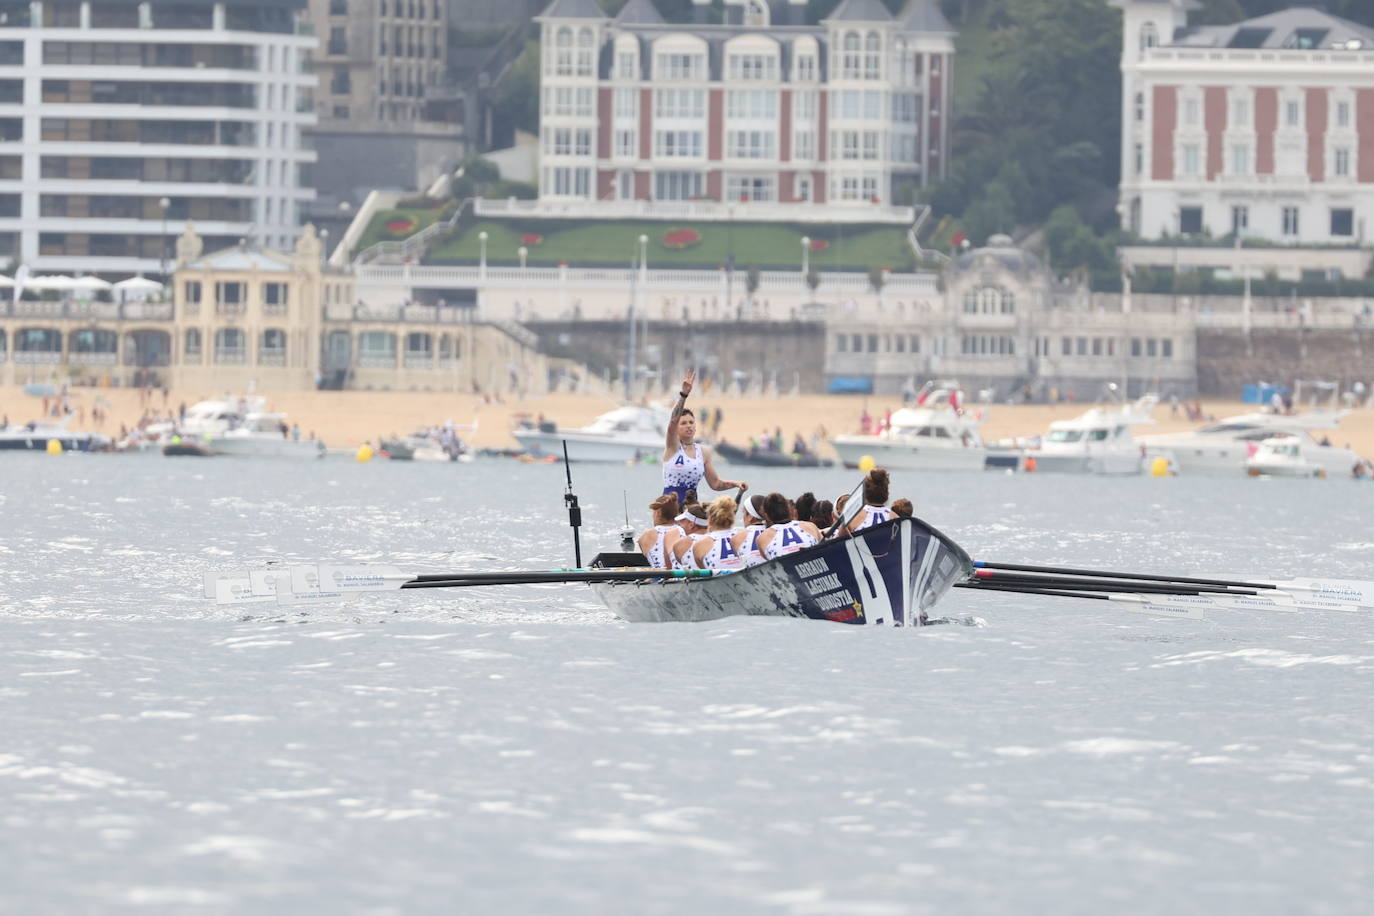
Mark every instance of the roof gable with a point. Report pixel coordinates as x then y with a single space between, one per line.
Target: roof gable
573 9
860 11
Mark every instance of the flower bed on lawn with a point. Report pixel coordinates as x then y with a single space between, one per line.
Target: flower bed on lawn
400 227
530 239
681 238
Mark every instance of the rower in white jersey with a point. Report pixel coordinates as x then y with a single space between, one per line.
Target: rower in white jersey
716 551
687 462
746 539
693 521
874 510
784 534
657 542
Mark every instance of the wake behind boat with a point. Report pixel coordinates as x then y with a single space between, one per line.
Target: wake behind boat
890 573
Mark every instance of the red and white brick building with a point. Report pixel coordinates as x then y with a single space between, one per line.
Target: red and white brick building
1264 128
762 107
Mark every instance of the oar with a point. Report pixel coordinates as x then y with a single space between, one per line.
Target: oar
1103 584
1136 604
1144 577
1263 601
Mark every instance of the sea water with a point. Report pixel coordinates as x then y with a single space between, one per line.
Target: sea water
518 750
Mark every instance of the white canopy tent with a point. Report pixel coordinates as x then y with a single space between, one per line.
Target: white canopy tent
137 289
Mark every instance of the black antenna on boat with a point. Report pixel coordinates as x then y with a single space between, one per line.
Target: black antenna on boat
574 511
627 534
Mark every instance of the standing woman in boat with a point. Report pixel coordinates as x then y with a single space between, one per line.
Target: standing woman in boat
686 461
657 543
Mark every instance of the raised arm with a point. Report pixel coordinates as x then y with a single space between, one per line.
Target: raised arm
670 440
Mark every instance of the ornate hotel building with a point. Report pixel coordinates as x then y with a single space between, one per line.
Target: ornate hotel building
119 120
762 107
1262 129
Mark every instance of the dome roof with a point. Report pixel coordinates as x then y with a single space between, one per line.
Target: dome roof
1000 251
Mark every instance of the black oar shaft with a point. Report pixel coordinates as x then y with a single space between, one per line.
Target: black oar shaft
1023 590
1112 585
536 577
1145 577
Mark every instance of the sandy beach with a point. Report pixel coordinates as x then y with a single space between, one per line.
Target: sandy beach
350 418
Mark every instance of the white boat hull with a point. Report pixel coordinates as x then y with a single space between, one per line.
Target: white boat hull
266 447
897 455
588 447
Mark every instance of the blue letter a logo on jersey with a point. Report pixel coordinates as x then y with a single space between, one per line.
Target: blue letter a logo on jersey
681 458
791 536
727 550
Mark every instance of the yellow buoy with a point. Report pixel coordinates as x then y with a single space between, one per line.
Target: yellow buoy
1159 467
364 453
54 447
866 463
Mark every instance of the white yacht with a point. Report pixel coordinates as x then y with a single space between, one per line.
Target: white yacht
1298 456
1097 442
935 435
627 433
1225 446
242 426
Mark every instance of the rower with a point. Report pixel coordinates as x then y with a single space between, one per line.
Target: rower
823 515
685 461
716 551
657 542
875 510
746 538
902 508
784 535
693 521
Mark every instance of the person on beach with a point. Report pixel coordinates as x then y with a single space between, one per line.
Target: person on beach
657 542
874 509
694 521
717 551
746 538
784 535
685 461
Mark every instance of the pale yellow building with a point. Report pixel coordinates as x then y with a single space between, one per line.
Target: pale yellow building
250 318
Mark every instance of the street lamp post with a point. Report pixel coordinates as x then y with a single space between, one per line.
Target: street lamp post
163 203
523 252
806 256
482 255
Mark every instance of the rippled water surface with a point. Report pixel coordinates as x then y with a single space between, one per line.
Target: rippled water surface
520 751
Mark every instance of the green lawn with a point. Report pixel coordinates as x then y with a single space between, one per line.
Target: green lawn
586 243
376 230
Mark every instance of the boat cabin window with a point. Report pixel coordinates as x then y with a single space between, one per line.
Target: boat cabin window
1226 428
1097 435
1065 435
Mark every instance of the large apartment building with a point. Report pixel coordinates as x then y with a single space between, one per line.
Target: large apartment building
121 121
762 107
1263 128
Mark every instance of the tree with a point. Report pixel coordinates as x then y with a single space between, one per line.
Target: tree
515 100
994 212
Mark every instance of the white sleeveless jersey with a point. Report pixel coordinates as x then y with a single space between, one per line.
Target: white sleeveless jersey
788 537
722 553
683 472
749 550
689 560
873 515
655 555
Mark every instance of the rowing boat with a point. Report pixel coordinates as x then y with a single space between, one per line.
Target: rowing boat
890 573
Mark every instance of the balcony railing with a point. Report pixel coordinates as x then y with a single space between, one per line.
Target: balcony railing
236 357
421 360
377 361
92 359
272 358
230 309
38 357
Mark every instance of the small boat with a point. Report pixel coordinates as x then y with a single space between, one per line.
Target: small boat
1225 446
243 426
1096 442
625 434
890 573
936 435
35 437
770 459
1283 456
186 449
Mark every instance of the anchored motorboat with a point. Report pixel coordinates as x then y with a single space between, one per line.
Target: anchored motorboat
938 434
625 434
1096 442
1225 446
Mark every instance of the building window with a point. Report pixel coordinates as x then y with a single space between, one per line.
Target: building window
191 292
227 293
753 67
750 144
1166 348
1342 114
625 143
1149 36
681 67
1240 113
751 103
1340 162
626 103
1140 106
803 188
679 103
1139 158
1192 112
192 345
806 69
1240 219
338 41
1290 221
1240 159
585 48
1292 114
1190 220
743 187
850 57
678 144
1192 160
625 65
568 182
840 341
677 185
873 56
1342 222
275 294
803 145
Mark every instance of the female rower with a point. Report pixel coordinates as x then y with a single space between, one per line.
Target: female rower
657 543
823 515
746 539
803 506
784 535
693 521
875 510
716 550
902 508
685 461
